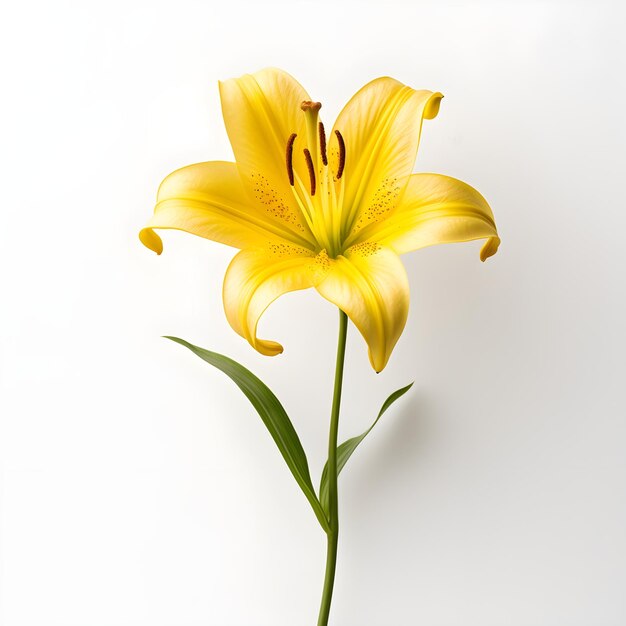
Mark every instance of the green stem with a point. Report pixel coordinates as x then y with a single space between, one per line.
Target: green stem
333 500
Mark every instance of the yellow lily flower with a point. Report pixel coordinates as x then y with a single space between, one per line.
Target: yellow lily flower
330 212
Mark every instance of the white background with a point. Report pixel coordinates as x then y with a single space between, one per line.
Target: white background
139 488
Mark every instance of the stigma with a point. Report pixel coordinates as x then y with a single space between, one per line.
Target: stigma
309 105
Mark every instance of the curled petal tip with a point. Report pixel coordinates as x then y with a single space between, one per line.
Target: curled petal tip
490 248
278 349
151 240
378 362
432 106
267 348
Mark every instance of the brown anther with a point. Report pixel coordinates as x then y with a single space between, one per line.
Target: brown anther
323 143
342 154
309 105
309 164
289 158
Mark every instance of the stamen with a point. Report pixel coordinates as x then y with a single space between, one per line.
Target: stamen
289 158
323 143
342 154
309 164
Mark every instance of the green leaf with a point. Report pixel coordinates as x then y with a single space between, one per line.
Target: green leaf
345 450
274 417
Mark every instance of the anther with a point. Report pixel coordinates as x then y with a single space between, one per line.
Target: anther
323 143
309 164
342 154
289 158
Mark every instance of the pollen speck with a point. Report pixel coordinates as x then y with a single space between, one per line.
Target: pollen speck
382 203
272 203
365 248
286 250
319 266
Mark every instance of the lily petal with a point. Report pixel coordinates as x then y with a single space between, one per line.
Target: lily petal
369 283
208 200
254 279
381 127
437 209
261 111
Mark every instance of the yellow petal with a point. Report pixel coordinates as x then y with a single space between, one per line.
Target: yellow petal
254 279
261 111
381 128
370 285
437 209
208 200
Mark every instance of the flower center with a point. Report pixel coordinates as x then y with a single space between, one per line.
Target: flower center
316 142
321 200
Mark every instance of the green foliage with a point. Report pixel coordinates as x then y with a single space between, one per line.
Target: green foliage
345 450
274 417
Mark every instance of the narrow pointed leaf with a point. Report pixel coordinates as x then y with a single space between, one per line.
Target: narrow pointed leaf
274 417
345 450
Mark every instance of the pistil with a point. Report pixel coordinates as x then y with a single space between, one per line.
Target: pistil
311 113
